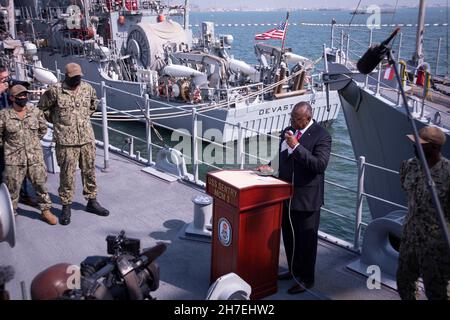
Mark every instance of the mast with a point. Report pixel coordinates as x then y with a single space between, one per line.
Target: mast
418 54
285 31
186 14
12 18
87 8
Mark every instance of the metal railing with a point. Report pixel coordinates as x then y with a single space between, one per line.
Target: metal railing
420 107
197 140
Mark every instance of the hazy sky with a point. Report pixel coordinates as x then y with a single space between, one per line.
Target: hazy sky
303 3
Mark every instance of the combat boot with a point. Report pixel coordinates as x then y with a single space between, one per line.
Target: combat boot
49 217
65 216
94 207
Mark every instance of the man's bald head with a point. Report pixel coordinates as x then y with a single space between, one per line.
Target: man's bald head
301 115
303 107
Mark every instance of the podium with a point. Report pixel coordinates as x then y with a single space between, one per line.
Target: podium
246 233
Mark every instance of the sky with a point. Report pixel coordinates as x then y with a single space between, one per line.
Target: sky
304 3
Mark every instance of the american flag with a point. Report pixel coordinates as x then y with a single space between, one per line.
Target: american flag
277 33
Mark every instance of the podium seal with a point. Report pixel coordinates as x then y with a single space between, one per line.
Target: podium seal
224 232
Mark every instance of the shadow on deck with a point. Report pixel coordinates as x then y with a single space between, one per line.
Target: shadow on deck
153 211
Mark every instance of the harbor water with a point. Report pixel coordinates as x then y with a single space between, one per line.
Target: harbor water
307 40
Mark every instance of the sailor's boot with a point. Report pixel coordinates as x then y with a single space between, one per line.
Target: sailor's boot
65 216
49 217
94 207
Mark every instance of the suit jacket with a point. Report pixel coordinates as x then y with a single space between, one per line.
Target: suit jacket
307 166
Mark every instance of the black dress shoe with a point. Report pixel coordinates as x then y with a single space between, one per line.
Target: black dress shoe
299 288
285 276
296 288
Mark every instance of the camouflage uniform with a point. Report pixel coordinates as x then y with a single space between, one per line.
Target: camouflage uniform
423 250
70 113
20 139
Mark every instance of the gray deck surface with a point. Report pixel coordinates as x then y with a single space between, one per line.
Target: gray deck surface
153 210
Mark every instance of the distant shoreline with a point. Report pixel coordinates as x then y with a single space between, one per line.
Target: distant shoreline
384 9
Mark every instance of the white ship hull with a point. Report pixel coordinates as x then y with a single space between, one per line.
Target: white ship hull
258 116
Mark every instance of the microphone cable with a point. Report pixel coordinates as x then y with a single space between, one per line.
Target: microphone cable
311 292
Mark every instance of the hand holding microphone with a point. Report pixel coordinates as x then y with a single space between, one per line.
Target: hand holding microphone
290 139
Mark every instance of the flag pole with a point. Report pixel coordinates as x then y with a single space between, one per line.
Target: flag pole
285 31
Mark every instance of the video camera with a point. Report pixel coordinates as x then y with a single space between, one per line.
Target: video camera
126 275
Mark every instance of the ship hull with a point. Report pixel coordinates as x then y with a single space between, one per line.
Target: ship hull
378 129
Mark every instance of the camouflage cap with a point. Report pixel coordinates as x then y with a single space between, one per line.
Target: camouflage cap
73 69
17 89
430 134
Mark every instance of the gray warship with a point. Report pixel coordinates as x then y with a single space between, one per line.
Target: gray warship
147 48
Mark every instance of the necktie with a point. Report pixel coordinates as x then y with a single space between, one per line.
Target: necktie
299 134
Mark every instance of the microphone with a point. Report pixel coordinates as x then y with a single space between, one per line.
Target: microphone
374 55
290 130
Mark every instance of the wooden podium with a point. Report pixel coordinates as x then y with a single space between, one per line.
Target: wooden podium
246 227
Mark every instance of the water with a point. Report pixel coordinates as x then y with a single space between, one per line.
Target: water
308 41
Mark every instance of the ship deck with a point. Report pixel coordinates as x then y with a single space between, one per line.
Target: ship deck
154 211
429 113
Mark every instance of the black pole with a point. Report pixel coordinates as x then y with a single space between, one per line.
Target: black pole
430 182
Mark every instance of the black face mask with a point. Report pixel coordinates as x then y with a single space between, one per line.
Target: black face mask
21 101
73 81
427 151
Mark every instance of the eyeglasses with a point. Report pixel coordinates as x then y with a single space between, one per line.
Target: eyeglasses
3 80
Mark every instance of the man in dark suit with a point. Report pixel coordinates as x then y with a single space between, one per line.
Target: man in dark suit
304 153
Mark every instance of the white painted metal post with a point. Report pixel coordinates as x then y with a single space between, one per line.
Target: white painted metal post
325 59
366 83
437 56
104 127
347 49
240 146
194 144
58 75
332 36
400 40
148 130
359 201
131 151
377 91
